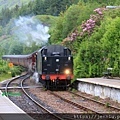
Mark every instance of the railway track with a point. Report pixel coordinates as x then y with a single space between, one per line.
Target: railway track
38 104
12 80
86 103
86 109
98 102
98 114
47 111
44 112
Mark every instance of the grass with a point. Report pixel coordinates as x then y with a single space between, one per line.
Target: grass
107 105
4 76
74 90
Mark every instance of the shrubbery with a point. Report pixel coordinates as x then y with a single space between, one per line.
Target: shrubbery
4 68
93 36
101 49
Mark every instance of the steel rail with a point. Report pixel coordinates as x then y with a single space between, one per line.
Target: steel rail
75 104
38 104
101 103
8 83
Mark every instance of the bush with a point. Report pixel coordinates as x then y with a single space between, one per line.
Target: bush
13 74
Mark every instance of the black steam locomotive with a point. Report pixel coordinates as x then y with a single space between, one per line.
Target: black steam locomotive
53 63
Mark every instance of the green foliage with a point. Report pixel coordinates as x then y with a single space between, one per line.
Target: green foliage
11 46
111 45
15 70
4 76
25 9
108 2
76 14
107 105
12 3
55 31
87 62
117 2
15 47
52 7
37 7
70 15
100 50
48 20
30 49
72 18
10 72
5 16
3 66
112 13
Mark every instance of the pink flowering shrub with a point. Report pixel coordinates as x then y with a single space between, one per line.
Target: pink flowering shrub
99 11
87 26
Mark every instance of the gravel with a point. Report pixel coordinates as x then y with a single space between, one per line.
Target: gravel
54 102
87 103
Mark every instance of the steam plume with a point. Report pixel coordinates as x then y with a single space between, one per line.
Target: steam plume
29 30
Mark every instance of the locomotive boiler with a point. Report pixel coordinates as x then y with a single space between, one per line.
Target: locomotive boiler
53 63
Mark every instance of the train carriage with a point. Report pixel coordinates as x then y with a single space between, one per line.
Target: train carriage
27 61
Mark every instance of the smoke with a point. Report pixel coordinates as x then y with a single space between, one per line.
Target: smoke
35 77
29 30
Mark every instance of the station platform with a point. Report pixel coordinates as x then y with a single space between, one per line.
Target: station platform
10 111
115 83
102 87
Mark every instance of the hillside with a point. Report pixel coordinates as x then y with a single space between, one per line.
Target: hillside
12 3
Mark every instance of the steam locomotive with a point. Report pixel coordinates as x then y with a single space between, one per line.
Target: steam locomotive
53 63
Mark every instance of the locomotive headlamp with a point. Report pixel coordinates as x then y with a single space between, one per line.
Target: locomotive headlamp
57 60
69 58
45 58
67 71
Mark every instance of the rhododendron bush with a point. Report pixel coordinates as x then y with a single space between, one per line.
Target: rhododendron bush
87 26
